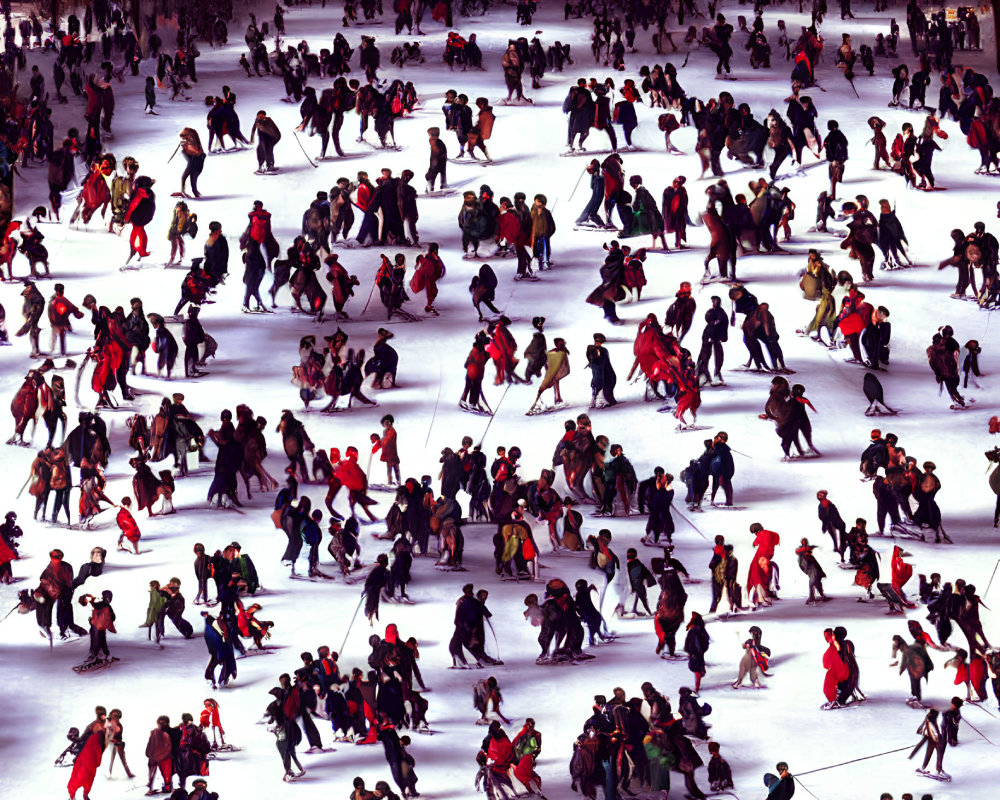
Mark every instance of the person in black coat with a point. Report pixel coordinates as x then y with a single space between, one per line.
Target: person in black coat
216 253
782 785
227 462
451 473
660 498
603 378
194 335
374 584
639 577
384 361
832 523
836 155
408 207
597 628
692 714
175 608
712 337
875 455
875 339
696 645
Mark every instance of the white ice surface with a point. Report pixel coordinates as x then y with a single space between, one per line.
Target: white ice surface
43 697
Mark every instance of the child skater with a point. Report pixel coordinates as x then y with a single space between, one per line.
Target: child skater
128 527
210 719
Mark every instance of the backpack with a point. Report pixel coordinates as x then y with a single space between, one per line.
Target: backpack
311 533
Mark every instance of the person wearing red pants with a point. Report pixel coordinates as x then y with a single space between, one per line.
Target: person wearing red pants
159 750
139 214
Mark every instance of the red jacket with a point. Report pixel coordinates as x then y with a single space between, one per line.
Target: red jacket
475 364
260 225
509 228
126 522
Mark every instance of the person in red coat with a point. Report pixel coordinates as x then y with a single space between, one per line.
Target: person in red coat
390 452
765 541
86 763
354 479
510 230
498 753
430 270
475 370
210 719
836 670
901 573
7 554
127 526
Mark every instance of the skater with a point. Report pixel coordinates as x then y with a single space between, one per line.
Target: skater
159 756
677 321
88 758
115 743
754 660
603 378
696 645
438 160
639 578
102 622
269 137
543 226
660 499
389 451
557 368
832 523
813 571
195 156
936 744
127 526
590 215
